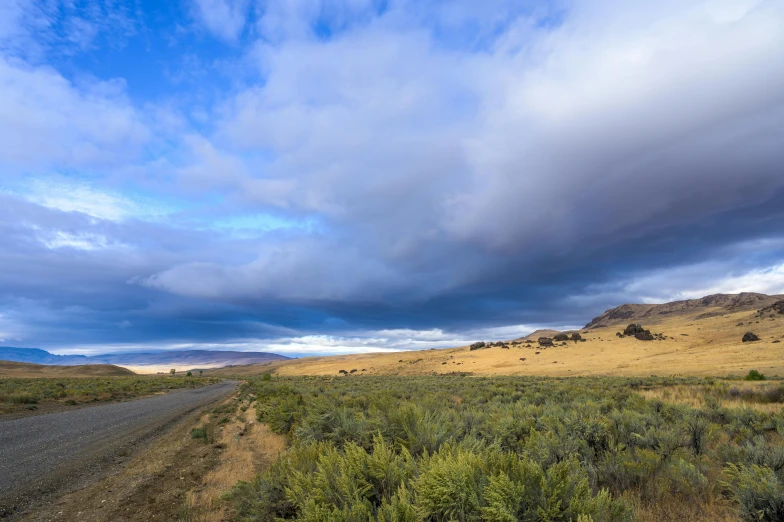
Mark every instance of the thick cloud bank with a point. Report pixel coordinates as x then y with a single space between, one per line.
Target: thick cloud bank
319 172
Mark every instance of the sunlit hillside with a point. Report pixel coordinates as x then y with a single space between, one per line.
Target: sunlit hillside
704 340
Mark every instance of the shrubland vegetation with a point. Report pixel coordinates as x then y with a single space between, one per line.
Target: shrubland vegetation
76 390
504 449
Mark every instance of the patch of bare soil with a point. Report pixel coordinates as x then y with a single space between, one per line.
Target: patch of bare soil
248 448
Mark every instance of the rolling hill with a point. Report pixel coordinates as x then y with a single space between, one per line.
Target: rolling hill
20 369
697 337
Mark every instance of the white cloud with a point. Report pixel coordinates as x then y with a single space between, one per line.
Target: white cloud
695 281
731 275
223 18
425 157
80 241
374 341
69 196
46 121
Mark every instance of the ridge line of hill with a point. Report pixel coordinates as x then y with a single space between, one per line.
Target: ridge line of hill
716 304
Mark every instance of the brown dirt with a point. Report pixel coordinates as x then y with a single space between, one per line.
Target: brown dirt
249 447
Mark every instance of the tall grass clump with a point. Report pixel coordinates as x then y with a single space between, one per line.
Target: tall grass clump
199 433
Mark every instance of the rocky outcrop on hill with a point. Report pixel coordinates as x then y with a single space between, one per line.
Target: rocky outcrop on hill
640 333
634 329
712 305
750 337
775 308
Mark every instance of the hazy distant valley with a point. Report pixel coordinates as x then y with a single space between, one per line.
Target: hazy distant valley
149 361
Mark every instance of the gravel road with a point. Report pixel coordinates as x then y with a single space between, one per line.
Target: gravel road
44 454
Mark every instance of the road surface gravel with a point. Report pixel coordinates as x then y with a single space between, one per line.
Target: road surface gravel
44 454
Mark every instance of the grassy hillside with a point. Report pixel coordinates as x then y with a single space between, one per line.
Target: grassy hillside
695 343
16 369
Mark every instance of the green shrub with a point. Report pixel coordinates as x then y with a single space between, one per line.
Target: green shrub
445 448
758 492
24 398
199 433
761 453
450 487
754 375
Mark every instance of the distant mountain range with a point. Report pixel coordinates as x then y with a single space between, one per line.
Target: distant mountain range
183 359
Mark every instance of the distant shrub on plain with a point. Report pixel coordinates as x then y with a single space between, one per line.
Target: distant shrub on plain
24 398
16 391
754 375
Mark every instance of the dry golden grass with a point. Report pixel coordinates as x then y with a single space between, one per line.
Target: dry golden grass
702 347
694 396
677 509
27 370
247 447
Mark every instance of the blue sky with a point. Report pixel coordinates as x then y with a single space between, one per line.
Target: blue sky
312 176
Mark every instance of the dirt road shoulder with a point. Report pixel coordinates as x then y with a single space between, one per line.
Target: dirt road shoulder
182 476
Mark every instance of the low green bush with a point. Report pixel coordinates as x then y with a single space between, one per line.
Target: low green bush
199 433
759 493
754 375
23 398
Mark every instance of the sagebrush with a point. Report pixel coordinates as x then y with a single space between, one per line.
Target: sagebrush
505 449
